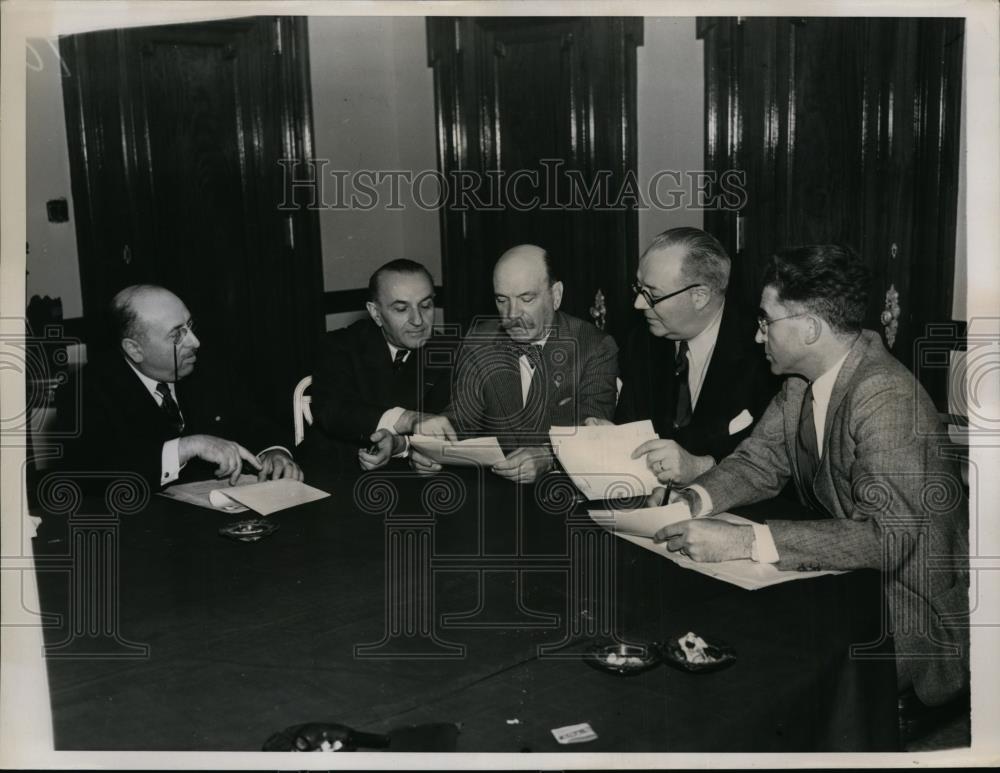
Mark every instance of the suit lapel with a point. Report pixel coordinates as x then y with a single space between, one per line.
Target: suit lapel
720 368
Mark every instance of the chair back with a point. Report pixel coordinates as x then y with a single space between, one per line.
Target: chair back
301 410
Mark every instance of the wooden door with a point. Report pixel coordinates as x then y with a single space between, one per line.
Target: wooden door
847 131
175 134
551 100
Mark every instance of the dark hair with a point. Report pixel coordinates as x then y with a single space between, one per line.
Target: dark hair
705 259
829 280
398 266
551 273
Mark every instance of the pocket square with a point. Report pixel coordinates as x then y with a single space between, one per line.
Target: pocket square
741 422
565 400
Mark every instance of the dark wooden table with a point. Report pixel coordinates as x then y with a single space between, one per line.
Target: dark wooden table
457 598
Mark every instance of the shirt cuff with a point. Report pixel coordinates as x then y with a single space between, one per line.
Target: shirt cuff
275 448
405 453
704 498
170 461
389 419
764 550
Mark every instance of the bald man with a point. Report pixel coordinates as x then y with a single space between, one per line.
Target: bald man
145 409
533 368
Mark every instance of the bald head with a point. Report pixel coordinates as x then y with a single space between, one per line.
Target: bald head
526 293
154 331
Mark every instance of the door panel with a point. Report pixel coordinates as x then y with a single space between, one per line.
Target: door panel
847 130
175 137
548 98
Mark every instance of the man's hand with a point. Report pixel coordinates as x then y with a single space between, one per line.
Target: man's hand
525 465
275 464
435 426
225 454
672 464
422 464
388 444
707 539
594 421
689 496
406 422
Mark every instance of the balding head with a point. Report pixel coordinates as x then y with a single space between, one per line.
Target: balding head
154 331
526 292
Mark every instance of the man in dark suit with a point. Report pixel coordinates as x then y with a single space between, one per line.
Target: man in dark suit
694 369
535 368
146 409
862 442
374 379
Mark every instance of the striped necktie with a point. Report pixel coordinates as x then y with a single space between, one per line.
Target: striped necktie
169 407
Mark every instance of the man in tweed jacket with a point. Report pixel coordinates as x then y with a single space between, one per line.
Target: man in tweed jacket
883 494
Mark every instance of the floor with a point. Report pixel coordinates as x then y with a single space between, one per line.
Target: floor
952 735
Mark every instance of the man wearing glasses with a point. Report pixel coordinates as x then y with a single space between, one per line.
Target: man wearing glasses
144 408
694 369
862 442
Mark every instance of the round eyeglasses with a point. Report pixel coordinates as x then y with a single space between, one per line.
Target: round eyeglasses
652 300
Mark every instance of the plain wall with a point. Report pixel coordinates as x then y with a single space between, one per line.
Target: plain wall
670 84
52 263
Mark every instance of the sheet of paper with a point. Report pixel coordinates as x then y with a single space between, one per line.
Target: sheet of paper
644 521
199 493
744 573
270 496
479 451
598 459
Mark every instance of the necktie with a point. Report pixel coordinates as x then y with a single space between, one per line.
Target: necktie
532 351
399 358
807 451
169 407
682 415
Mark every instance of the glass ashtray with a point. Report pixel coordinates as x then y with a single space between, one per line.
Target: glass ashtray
622 659
249 530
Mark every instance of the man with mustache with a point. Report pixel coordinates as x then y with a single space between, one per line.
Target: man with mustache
537 368
694 368
375 378
145 408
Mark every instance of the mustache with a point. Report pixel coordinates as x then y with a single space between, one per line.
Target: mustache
507 324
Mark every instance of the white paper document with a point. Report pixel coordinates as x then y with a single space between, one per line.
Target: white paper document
598 459
642 522
265 498
199 493
478 451
638 527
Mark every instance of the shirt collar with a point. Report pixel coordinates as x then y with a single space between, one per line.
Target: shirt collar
702 344
149 383
822 387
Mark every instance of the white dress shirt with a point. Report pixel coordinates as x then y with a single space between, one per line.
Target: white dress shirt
527 370
699 354
764 550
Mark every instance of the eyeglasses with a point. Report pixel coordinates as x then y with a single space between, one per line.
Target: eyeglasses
763 322
177 337
652 300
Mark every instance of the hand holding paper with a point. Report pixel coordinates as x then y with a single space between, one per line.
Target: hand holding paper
473 452
599 460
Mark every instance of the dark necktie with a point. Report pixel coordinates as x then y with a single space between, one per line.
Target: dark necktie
169 407
399 358
682 415
807 451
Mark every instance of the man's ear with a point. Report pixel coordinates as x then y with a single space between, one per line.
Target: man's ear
132 349
700 297
373 312
557 291
813 330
